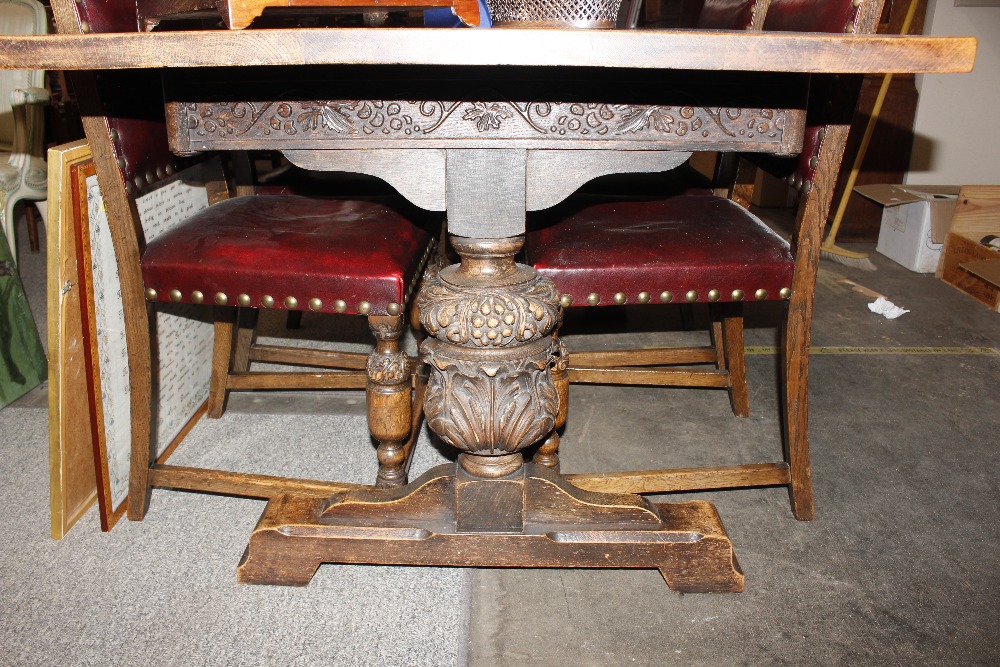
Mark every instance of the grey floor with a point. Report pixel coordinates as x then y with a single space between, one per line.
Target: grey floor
900 566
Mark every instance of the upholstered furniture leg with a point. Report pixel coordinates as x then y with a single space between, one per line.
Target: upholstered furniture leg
141 404
246 336
810 224
389 393
222 353
735 359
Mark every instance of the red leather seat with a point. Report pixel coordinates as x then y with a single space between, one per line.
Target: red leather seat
347 256
697 248
685 249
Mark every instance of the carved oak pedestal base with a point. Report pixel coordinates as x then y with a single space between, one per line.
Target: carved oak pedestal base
530 518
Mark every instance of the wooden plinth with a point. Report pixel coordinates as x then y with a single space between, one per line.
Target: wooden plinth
531 518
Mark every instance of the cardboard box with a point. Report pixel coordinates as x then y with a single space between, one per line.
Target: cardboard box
915 221
966 263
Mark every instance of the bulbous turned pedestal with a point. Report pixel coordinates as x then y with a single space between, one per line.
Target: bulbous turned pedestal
490 392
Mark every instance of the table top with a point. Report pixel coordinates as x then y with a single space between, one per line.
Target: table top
647 49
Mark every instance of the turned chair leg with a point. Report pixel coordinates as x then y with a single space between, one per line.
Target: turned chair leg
389 394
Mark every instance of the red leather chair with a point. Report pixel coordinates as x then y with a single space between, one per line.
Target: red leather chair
347 256
701 248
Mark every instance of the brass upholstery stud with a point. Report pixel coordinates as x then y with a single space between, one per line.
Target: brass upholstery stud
737 295
340 305
267 301
291 302
620 298
315 303
170 169
691 296
760 294
364 307
138 182
565 301
150 294
785 292
393 309
643 297
150 178
243 300
197 297
713 295
666 296
221 298
175 295
593 298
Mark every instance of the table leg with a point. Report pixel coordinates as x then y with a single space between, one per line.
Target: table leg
491 394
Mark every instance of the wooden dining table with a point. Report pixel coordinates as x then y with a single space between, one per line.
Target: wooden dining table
488 125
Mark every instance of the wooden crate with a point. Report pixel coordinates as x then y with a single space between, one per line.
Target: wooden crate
977 214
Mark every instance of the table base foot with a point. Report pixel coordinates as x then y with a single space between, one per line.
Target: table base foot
535 519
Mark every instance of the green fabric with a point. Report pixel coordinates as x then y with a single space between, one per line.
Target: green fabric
22 359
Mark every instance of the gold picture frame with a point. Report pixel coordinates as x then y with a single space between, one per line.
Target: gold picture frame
72 469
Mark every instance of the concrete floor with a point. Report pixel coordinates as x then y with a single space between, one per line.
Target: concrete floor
900 566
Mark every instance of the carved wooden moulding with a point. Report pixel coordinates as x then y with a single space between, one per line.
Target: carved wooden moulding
197 126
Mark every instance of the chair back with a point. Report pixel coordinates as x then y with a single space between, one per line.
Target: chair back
18 17
729 15
132 100
832 104
837 16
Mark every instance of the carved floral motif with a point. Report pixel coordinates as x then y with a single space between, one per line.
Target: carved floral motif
472 118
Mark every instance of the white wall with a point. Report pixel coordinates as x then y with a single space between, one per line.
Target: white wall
957 126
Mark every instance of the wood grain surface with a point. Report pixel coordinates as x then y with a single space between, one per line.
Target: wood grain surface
699 50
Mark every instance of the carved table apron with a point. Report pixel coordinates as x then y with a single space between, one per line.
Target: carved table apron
497 377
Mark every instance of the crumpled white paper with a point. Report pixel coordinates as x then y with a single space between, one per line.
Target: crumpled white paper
882 306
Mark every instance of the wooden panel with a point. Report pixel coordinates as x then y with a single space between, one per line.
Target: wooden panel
696 50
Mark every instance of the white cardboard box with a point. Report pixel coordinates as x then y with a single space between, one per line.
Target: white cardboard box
915 221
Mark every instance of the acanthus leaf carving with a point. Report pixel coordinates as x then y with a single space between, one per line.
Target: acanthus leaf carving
489 408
